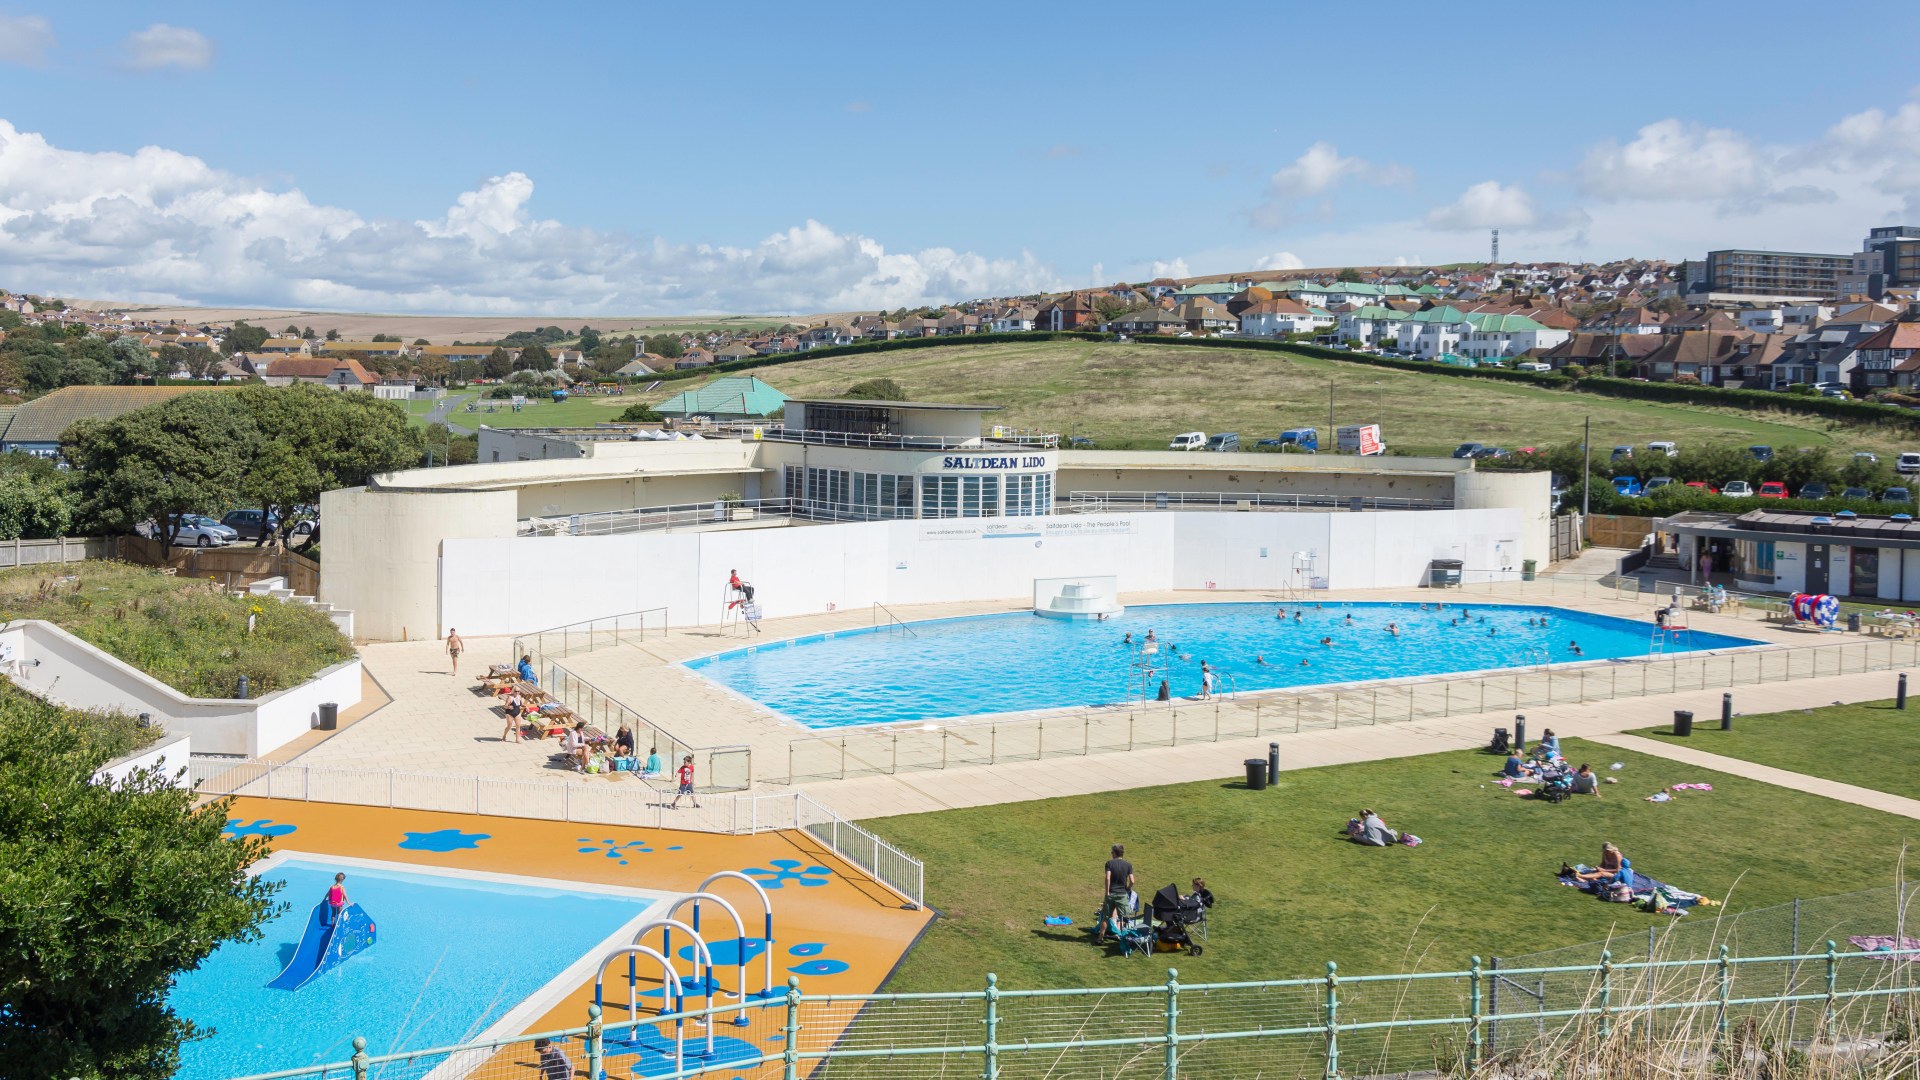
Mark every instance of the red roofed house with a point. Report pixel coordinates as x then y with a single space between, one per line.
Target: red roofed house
343 374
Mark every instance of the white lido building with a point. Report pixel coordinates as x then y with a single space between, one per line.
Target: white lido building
851 503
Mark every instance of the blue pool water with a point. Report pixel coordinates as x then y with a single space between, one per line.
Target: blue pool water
1012 663
453 956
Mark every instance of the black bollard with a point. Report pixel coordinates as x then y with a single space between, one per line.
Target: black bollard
1273 764
1726 712
1520 733
1900 695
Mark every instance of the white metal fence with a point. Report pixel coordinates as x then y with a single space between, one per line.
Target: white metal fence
1112 502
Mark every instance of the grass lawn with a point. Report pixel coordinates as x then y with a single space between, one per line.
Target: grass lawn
1295 894
1132 396
1870 745
581 410
182 631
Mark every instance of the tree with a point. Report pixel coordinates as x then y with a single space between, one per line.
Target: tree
876 390
186 455
419 342
332 334
290 331
312 440
534 358
110 891
201 363
434 369
37 499
497 365
1110 308
130 360
589 340
607 362
639 414
307 334
244 338
667 345
1347 274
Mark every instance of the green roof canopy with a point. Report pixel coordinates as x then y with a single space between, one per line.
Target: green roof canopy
732 395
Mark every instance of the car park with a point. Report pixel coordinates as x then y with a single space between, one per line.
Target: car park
1657 483
1857 493
1666 448
1815 490
1761 453
1467 449
1225 442
1626 485
1908 462
1737 489
199 530
1773 489
1896 495
1189 440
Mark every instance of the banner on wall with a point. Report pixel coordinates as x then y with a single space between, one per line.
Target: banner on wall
1035 528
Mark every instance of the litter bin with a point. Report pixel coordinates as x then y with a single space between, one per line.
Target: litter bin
1257 773
1682 722
329 716
1853 621
1526 569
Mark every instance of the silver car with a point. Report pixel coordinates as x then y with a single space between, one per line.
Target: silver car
199 530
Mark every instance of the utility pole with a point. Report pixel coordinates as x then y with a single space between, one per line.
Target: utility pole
1330 413
1586 470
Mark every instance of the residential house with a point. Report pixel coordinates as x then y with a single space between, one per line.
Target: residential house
1433 333
566 358
286 346
1352 293
1634 320
1206 317
695 357
19 305
634 369
35 427
1715 357
1496 337
1015 320
1597 350
1070 312
1162 287
1273 318
386 350
343 373
1830 354
1889 359
1371 326
1151 320
458 353
730 353
1214 291
828 334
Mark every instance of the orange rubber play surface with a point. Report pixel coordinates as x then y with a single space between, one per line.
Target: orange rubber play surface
861 922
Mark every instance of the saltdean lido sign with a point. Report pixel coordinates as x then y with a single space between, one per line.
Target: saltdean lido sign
983 463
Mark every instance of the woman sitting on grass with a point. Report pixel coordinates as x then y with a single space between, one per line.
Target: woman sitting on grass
1584 782
1517 767
1614 868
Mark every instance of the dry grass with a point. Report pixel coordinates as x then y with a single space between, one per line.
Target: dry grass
1132 396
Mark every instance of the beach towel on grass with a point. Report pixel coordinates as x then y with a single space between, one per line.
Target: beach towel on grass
1642 885
1880 943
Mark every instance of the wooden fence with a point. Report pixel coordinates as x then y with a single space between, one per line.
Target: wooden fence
64 550
1617 530
1565 542
234 567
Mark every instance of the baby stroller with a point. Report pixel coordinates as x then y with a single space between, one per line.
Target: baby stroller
1176 918
1556 786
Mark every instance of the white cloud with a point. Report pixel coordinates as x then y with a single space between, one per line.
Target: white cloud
25 39
1676 159
1312 178
1485 205
1883 146
1176 268
162 46
163 227
1280 260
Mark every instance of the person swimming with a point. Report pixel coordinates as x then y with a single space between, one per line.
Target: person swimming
1394 629
1280 614
1258 659
1150 636
1349 618
1303 663
1326 641
1575 646
1296 617
1128 640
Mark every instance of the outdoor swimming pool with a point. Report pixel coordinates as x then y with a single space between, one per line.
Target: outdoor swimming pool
1016 662
455 954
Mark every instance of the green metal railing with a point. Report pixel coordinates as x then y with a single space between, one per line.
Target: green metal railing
1324 1027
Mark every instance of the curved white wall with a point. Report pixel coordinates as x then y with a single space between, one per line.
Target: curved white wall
381 558
1530 493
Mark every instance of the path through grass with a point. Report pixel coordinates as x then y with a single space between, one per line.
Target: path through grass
1871 745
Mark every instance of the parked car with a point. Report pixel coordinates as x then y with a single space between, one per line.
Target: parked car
1666 448
1626 485
1773 489
1269 444
1079 442
1532 365
1838 394
1871 459
1857 493
1908 462
1816 490
1622 453
1190 440
1761 453
199 530
1896 495
1737 489
1703 486
1486 453
1225 442
246 524
1467 449
1304 438
1657 483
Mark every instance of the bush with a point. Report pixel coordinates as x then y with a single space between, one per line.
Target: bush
187 633
639 414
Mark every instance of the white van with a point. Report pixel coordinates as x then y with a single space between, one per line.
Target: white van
1533 365
1192 440
1908 462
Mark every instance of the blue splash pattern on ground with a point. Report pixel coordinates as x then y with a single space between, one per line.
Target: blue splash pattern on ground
729 952
655 1050
787 870
265 827
820 967
808 948
443 840
614 849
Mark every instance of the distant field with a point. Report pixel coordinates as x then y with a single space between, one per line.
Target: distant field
1138 396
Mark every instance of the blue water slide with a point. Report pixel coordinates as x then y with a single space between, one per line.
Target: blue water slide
326 944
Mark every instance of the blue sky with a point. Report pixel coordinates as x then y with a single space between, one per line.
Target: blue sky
633 159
